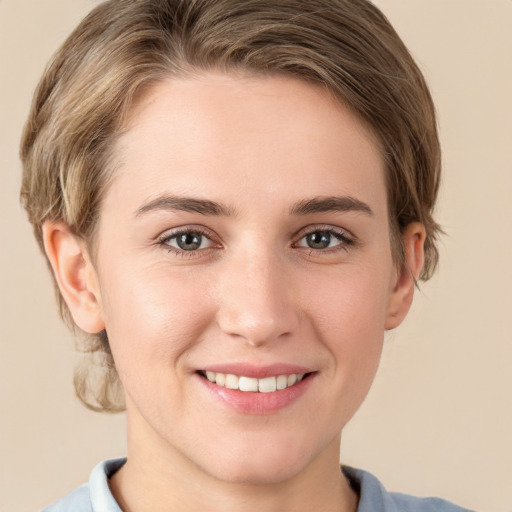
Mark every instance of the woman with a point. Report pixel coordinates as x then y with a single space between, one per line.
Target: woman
236 202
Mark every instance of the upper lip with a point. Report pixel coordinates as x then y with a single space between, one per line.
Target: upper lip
257 371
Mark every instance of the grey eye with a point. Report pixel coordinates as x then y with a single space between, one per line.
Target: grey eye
318 240
189 241
322 239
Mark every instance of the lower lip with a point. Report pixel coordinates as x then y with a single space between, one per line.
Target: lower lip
258 403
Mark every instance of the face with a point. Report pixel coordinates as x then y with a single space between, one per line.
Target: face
244 273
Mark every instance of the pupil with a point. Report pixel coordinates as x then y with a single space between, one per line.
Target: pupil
189 241
319 240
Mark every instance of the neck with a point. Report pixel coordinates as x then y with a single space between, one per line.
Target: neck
154 481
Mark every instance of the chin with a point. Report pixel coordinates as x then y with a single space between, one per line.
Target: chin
250 473
261 463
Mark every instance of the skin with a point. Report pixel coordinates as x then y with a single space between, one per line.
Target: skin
253 292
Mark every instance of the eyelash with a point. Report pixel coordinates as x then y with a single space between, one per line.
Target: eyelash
167 237
345 239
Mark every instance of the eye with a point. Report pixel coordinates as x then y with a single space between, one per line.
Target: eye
322 239
189 240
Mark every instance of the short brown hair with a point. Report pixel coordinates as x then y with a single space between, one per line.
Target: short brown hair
123 46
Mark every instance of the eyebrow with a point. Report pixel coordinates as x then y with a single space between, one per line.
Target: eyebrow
185 204
330 204
208 207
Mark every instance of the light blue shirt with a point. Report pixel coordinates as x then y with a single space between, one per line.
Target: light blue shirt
95 496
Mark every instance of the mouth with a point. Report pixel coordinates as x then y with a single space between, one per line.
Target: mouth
256 389
247 384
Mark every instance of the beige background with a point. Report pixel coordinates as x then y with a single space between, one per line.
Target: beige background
439 418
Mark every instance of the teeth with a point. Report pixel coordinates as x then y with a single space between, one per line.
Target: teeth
267 385
249 384
231 381
282 382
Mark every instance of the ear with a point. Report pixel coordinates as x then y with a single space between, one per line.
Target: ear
402 293
75 275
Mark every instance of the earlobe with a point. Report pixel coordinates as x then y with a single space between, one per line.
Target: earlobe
75 275
402 293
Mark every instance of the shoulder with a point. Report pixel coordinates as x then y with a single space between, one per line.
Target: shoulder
375 498
94 496
413 504
78 500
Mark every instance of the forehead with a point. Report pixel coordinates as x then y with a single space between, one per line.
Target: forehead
213 132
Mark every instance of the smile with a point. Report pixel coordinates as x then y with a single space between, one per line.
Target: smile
257 390
251 384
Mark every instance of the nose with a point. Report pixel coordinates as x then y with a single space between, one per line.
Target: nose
256 299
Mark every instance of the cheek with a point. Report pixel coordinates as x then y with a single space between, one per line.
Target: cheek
152 316
350 314
353 300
